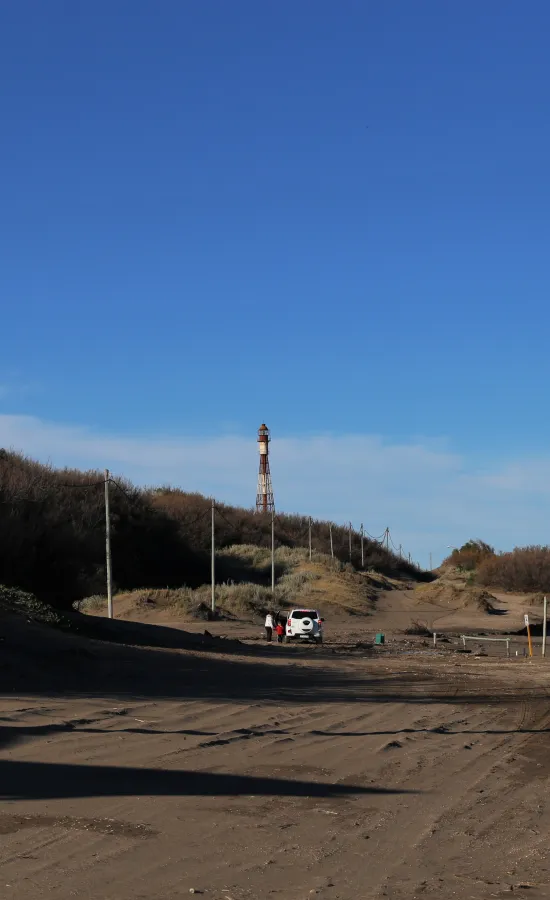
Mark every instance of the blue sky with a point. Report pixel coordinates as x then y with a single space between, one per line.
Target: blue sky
329 216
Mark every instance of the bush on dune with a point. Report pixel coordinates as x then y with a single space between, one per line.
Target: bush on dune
470 555
523 569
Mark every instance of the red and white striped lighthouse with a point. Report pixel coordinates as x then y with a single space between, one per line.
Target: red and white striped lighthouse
264 495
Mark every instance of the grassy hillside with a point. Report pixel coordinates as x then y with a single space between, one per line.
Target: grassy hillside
52 539
317 582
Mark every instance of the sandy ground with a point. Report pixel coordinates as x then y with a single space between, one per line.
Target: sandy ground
279 772
393 612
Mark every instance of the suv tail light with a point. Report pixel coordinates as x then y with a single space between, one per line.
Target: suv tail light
289 622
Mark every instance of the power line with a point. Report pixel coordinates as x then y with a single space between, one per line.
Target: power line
125 492
197 518
377 540
91 485
231 524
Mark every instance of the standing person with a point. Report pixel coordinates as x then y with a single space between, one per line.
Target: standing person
269 625
280 629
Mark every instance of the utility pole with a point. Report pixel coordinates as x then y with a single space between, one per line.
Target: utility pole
108 548
362 546
401 551
310 537
544 613
272 552
350 541
409 558
213 560
331 543
387 540
431 567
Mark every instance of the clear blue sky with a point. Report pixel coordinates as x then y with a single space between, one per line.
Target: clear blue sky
333 216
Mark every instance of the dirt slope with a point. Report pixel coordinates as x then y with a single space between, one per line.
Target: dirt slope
342 593
337 591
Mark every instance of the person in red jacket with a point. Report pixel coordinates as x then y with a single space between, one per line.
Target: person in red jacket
280 630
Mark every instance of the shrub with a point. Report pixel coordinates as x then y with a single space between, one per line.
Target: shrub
52 539
470 555
522 569
52 534
245 527
418 628
13 600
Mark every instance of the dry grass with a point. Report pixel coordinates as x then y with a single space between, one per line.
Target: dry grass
321 581
241 601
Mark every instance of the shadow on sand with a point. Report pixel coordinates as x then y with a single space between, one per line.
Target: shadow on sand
48 781
41 661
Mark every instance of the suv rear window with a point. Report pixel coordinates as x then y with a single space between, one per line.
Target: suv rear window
305 614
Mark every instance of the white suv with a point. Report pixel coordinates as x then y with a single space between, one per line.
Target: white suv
304 624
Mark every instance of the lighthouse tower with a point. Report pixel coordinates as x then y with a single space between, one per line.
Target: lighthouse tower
264 495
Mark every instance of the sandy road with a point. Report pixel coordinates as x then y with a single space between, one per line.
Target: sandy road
340 778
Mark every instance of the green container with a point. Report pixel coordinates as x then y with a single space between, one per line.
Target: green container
380 638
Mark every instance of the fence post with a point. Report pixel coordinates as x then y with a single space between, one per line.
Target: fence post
435 638
108 548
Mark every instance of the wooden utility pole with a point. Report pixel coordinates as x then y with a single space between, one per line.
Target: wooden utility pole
213 559
544 615
108 548
310 537
350 541
362 546
331 543
272 551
